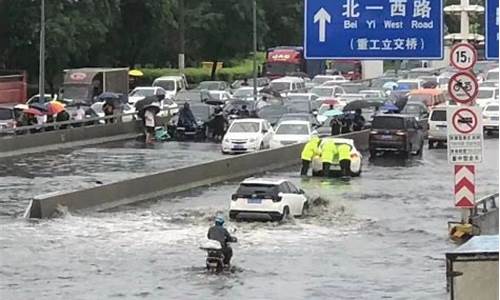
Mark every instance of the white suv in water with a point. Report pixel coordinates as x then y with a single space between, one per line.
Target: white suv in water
267 199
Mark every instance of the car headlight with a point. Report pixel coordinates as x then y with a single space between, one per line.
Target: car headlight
225 140
252 140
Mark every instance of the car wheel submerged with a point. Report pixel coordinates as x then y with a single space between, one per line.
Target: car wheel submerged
305 208
357 174
286 213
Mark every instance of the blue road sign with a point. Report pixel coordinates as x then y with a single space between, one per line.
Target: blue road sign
491 24
373 29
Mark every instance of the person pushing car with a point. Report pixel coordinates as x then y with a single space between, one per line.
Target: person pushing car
328 153
344 151
311 149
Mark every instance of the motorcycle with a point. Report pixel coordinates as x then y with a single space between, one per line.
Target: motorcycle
215 255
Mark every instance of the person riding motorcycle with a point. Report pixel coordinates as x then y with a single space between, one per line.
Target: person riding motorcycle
186 118
220 234
218 124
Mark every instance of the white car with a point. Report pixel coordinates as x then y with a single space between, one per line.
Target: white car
291 132
171 84
438 126
247 135
328 92
489 83
356 159
373 93
220 95
245 93
168 105
321 79
36 99
267 199
336 81
490 118
142 92
486 95
288 84
409 84
302 96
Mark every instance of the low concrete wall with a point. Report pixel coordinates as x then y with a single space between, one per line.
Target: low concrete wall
488 223
172 181
31 143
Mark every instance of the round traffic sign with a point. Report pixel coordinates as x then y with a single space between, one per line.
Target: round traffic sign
463 56
463 88
465 121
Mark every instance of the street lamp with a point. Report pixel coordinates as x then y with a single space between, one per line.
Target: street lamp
255 50
41 78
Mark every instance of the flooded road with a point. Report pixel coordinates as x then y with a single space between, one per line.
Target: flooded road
22 178
380 236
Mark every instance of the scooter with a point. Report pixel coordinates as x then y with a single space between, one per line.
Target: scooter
215 256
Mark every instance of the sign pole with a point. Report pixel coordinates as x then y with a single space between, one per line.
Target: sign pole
465 130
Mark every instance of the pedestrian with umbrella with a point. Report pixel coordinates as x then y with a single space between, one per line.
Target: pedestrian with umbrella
150 112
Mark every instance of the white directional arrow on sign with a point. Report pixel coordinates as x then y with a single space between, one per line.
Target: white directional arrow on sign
323 17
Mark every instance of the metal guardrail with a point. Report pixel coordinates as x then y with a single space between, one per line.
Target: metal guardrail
9 132
87 122
484 205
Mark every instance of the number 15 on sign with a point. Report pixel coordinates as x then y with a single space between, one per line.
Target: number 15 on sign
463 56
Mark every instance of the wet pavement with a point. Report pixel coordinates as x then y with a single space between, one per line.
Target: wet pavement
380 236
22 178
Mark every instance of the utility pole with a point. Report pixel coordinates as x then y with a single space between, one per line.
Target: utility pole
182 28
41 79
255 50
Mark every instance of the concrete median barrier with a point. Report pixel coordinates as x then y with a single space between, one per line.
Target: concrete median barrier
173 181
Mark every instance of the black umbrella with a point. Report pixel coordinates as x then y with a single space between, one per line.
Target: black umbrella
108 96
360 104
39 106
154 108
141 104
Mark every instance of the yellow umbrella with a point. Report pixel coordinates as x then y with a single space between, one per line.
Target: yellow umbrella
135 73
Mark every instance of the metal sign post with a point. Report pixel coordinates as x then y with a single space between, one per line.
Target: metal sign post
354 29
465 130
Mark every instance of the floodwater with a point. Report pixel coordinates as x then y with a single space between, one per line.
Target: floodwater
22 178
380 236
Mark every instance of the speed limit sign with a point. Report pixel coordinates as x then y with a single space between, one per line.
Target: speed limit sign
463 56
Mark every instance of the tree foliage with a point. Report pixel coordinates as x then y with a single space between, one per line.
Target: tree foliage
145 32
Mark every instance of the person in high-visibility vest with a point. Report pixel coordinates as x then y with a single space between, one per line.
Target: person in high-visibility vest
311 149
345 159
328 153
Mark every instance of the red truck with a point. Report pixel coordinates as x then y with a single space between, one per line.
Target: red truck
290 60
357 69
13 87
